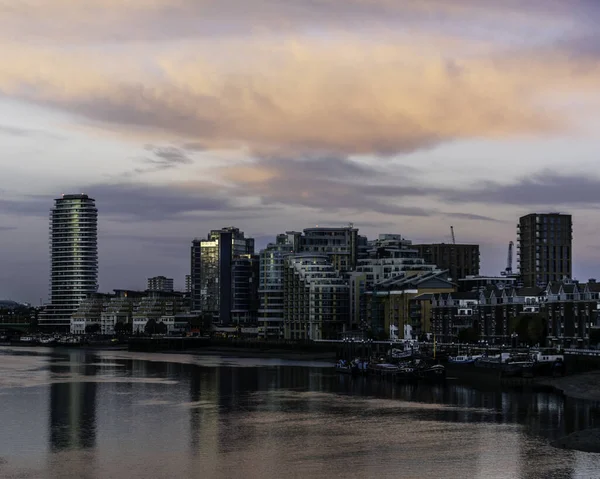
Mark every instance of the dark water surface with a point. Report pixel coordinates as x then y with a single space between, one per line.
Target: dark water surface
78 414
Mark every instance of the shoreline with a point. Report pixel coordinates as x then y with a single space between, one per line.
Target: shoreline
585 386
253 353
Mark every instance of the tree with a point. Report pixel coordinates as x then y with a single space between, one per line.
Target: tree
92 328
161 328
150 327
119 327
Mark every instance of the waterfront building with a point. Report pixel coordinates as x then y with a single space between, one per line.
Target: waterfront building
388 306
73 258
391 256
564 313
544 248
340 245
211 262
159 307
270 287
460 260
160 283
315 298
244 290
88 313
357 287
119 309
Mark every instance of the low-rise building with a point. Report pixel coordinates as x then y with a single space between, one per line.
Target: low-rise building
154 306
88 313
564 313
389 304
119 309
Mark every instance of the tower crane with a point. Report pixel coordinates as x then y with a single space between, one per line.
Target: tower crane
452 233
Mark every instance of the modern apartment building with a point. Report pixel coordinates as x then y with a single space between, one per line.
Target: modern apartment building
460 260
211 269
188 283
544 248
73 258
315 298
159 307
119 309
391 256
270 287
160 283
127 307
88 313
340 245
389 309
244 290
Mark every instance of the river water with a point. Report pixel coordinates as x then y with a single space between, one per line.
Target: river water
83 414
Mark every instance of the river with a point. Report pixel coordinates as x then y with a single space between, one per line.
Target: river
101 414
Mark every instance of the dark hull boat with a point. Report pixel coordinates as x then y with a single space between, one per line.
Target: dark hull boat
435 373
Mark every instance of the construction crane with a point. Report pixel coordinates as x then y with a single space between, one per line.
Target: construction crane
509 260
452 232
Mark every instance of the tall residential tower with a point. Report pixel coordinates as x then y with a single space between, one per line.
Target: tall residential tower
211 273
73 258
544 248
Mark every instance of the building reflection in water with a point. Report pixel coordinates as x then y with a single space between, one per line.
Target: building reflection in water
72 403
264 418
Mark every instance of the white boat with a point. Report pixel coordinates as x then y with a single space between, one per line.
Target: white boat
399 354
546 357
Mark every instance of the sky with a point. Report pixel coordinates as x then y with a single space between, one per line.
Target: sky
182 116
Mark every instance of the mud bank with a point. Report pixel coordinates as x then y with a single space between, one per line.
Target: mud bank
578 386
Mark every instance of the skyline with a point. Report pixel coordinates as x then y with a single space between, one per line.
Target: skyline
184 116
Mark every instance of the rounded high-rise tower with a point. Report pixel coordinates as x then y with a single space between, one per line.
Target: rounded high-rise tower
73 257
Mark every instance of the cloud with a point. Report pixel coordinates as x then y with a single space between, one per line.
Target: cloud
156 20
7 228
303 96
544 189
165 158
156 203
127 201
469 216
326 184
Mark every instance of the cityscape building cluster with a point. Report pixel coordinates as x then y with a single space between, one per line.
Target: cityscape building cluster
330 283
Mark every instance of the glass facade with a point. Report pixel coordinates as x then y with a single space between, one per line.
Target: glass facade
270 288
211 271
73 257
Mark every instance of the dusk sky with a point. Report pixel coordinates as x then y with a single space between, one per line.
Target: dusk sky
181 116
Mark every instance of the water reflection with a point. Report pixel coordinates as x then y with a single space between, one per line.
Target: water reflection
111 414
72 404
